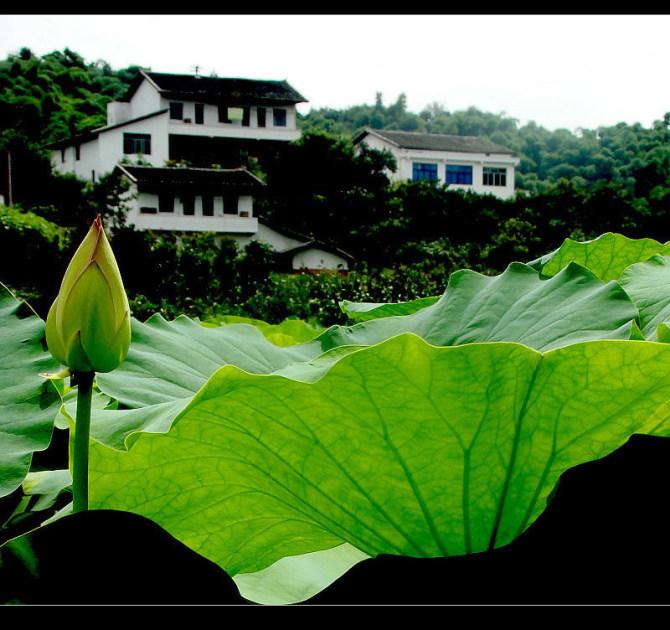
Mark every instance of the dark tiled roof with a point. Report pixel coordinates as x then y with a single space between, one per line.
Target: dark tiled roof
149 176
309 242
218 90
436 142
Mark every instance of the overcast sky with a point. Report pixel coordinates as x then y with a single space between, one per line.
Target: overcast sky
564 71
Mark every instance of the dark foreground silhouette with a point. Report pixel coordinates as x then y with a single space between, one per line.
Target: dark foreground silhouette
604 538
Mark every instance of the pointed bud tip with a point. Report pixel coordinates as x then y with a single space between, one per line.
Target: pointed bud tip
88 328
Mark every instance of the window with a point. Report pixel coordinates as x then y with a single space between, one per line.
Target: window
165 202
147 210
495 176
424 171
77 152
230 203
188 202
279 117
235 114
458 174
223 114
137 143
176 111
260 113
246 116
207 206
199 113
62 155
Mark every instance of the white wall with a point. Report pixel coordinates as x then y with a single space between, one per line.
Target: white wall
405 159
318 259
241 229
313 258
211 127
278 241
145 100
103 153
64 161
99 156
178 221
171 221
117 112
111 143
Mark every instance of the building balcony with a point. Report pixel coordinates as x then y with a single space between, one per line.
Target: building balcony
163 221
232 130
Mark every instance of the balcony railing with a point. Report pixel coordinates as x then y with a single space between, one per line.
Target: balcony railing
232 224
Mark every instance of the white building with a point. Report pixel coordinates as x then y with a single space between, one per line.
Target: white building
462 162
203 121
168 121
188 200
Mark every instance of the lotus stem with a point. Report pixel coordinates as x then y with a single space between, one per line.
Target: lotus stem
81 434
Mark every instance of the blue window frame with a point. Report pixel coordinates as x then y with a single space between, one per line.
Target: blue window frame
458 174
423 171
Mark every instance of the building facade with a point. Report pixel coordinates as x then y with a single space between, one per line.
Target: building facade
461 162
201 121
180 141
191 199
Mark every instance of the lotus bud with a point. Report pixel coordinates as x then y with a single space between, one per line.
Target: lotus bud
88 325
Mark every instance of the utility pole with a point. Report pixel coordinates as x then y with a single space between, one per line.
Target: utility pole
9 178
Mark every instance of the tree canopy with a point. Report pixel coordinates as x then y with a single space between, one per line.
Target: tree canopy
621 151
570 183
47 98
406 237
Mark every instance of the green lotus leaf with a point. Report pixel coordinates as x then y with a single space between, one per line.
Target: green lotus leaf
364 311
606 256
224 320
172 360
288 333
168 362
28 402
46 485
648 285
400 448
663 332
291 332
297 578
516 305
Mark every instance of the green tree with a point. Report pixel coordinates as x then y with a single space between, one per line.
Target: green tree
322 186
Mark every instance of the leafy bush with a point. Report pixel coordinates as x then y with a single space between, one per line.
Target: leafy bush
31 259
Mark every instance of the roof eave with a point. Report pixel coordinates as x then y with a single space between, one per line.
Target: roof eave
91 134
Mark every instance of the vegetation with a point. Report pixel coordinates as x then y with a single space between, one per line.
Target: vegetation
438 434
469 409
406 238
585 155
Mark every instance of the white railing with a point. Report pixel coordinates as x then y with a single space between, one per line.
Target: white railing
195 223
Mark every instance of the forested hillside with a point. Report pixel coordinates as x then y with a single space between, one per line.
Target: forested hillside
407 238
588 155
43 99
